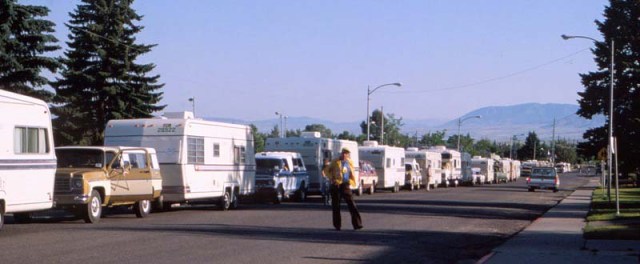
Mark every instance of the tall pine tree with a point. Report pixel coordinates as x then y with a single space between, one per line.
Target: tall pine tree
621 24
24 39
100 79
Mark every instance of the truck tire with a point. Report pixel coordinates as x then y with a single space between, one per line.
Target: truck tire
1 217
225 201
360 190
277 199
158 204
302 193
396 188
234 200
142 208
22 218
92 211
372 188
531 189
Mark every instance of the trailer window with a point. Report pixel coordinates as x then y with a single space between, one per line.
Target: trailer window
388 163
216 150
30 140
195 150
239 153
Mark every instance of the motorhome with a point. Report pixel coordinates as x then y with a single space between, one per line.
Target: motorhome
486 166
413 174
451 165
515 169
389 163
468 177
431 163
281 175
503 169
200 161
562 167
314 150
27 158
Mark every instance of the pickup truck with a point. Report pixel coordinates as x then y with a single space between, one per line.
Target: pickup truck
412 175
88 178
281 175
543 178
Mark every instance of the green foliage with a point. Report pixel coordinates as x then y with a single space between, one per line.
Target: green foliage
346 135
275 132
466 143
533 148
565 151
324 131
259 139
621 25
101 79
293 133
433 139
392 125
24 38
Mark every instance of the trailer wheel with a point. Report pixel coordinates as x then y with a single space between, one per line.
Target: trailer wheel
396 188
1 216
302 192
92 211
234 200
279 195
225 201
142 208
531 189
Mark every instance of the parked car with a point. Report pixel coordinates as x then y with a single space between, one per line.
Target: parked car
281 175
543 178
368 176
89 178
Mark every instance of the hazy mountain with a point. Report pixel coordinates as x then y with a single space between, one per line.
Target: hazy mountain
497 122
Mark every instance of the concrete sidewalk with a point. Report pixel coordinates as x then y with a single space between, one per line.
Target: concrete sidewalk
556 237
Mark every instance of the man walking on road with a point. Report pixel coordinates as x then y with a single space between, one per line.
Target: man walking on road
341 174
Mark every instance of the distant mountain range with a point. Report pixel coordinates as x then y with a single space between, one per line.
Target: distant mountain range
498 123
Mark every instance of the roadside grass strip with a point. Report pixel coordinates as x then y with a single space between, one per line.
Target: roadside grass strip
603 223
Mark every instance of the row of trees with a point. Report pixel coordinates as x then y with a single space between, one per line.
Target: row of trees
99 78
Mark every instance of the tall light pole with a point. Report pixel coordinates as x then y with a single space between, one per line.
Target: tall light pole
281 126
610 148
369 92
460 120
513 138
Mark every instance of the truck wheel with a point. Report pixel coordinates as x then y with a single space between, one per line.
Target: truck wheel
225 201
555 189
142 208
302 193
396 187
158 204
22 218
360 189
1 218
279 195
531 189
92 211
372 188
234 201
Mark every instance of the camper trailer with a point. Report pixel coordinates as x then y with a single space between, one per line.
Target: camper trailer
503 169
431 163
27 157
486 167
468 177
389 163
451 165
200 161
314 149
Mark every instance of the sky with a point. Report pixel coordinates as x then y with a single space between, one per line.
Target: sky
248 59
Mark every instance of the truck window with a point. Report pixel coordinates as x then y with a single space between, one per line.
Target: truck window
138 160
30 140
80 158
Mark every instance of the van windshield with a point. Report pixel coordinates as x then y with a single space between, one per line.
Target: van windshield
268 165
80 158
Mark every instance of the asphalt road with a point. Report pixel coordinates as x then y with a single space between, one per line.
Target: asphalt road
441 226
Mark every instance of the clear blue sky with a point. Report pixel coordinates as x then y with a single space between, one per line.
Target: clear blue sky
248 59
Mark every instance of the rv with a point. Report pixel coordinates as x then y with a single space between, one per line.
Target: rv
200 161
451 165
468 177
431 163
314 150
27 157
413 174
486 167
389 163
503 169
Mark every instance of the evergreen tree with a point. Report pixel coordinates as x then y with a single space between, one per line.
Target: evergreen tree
433 139
621 24
259 139
24 38
324 131
100 78
392 135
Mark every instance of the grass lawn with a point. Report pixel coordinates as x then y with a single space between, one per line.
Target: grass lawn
603 223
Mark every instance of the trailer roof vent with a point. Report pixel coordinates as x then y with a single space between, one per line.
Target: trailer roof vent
310 134
412 149
370 143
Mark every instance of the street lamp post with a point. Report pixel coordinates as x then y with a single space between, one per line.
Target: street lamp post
610 148
369 92
460 120
513 138
282 116
193 105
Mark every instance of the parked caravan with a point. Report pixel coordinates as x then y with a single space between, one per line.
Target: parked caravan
562 167
503 170
27 158
431 164
389 163
451 165
314 149
526 166
468 177
200 161
412 175
281 175
515 169
486 167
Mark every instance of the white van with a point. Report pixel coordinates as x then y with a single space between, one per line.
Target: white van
431 163
314 149
485 166
200 161
389 163
27 157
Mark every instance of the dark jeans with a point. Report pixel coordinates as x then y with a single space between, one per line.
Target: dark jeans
337 193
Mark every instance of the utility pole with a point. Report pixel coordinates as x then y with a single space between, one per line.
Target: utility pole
553 143
382 125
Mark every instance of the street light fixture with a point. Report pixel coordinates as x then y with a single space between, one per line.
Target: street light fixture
460 120
610 148
193 105
369 92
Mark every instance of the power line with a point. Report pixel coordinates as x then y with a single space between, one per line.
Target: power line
491 79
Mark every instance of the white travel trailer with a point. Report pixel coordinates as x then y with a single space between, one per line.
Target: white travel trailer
389 163
486 167
468 176
504 169
27 157
314 149
451 165
200 161
431 163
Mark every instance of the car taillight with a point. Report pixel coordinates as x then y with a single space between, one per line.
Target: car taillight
528 179
557 181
